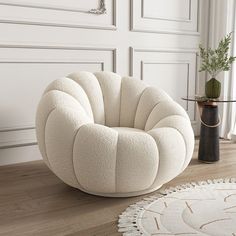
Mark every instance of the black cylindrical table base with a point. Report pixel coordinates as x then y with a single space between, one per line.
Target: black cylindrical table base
209 135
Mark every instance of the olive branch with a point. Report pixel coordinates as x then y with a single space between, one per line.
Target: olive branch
215 61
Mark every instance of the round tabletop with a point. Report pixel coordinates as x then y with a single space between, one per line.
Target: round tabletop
207 100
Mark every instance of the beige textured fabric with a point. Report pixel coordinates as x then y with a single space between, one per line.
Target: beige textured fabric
149 99
112 136
136 152
92 88
131 92
110 84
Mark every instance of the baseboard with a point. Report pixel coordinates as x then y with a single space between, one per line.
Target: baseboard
19 154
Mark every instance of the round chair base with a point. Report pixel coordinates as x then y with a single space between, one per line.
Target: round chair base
131 194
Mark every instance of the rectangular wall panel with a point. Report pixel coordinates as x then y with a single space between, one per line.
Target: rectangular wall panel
169 16
25 73
172 75
172 70
67 13
176 10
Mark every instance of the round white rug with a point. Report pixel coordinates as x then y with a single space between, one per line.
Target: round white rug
203 208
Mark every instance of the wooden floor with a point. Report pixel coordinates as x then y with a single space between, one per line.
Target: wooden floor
35 202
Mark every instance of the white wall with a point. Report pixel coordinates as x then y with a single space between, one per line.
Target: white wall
43 40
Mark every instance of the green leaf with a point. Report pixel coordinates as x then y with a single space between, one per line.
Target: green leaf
216 60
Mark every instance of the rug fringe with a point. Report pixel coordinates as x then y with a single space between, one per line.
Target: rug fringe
127 222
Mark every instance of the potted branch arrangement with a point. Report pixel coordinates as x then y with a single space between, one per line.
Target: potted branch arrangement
213 62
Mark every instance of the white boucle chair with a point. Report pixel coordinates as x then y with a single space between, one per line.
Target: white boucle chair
112 136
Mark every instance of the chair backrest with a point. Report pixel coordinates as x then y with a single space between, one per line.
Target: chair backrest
111 100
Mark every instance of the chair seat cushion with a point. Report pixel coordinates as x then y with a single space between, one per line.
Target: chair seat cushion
115 159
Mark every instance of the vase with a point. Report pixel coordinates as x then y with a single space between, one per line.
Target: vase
212 88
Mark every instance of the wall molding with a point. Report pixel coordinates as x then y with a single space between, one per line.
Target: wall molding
24 135
54 7
50 45
16 128
18 143
96 11
60 47
165 50
100 10
169 62
168 50
145 16
135 28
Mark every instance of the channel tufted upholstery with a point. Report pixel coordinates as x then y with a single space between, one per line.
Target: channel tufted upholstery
112 136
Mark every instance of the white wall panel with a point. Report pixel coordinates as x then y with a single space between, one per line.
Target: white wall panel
19 154
173 10
68 13
172 70
27 71
169 16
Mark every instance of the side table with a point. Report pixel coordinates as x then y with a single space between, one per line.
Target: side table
210 121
